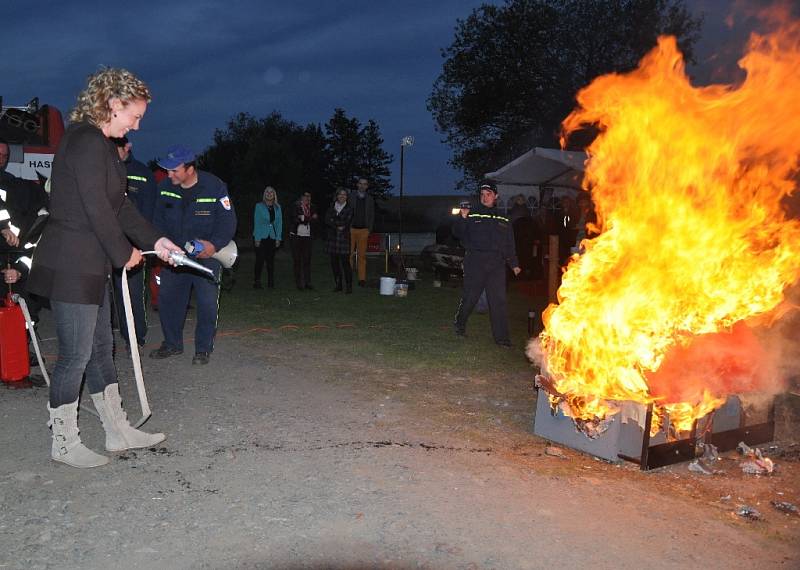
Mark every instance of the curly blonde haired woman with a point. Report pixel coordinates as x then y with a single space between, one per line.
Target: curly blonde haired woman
91 227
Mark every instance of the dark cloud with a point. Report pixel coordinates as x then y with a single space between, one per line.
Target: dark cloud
727 26
206 61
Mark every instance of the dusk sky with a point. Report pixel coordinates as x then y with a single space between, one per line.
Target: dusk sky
206 61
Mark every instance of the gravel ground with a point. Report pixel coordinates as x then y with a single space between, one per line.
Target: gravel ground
281 457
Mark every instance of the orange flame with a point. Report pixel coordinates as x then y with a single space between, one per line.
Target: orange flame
695 244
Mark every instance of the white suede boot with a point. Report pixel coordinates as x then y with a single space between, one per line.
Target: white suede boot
120 435
67 447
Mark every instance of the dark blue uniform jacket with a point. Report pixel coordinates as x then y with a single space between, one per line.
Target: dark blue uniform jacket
203 211
142 189
486 230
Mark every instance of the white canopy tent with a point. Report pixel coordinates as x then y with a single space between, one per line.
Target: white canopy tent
540 174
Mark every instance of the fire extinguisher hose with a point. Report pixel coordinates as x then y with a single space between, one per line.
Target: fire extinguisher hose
35 341
137 363
132 341
24 306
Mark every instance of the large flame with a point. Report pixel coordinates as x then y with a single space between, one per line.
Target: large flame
695 244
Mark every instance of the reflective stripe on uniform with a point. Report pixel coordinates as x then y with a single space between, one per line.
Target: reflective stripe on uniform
139 178
171 194
206 200
488 217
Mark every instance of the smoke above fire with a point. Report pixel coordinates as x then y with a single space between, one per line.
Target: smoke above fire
668 305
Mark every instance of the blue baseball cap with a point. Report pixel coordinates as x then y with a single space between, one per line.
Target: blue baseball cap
177 154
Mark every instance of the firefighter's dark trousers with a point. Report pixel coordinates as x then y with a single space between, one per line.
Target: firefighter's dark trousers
485 270
136 281
176 290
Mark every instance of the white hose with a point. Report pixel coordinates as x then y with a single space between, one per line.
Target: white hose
132 339
133 342
17 298
178 259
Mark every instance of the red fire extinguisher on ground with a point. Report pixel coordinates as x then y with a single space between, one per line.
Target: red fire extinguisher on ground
14 363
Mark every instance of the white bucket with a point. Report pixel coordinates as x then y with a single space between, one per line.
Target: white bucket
387 285
411 273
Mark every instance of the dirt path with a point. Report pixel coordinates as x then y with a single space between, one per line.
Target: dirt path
278 457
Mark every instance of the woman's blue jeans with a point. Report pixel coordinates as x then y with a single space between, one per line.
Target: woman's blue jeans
85 346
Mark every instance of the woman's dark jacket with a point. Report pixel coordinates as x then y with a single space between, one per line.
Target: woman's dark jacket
294 217
91 221
338 229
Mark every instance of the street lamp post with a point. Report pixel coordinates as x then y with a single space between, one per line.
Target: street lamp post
404 142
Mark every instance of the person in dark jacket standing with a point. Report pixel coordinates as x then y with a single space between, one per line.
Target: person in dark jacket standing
23 208
267 235
363 219
20 201
488 239
302 220
141 190
192 206
90 230
337 221
23 213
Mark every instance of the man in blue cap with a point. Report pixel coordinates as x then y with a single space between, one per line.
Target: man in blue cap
193 207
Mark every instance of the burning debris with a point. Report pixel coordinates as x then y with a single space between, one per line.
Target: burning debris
709 456
663 316
554 451
745 449
749 513
756 463
559 403
786 507
790 452
696 467
759 467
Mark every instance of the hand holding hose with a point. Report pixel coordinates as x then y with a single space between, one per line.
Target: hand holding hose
177 257
164 247
135 259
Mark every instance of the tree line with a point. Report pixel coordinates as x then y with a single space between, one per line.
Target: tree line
508 79
250 153
511 73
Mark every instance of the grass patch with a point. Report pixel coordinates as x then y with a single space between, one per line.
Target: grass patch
413 333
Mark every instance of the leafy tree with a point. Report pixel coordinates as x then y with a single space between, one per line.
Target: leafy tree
252 153
310 144
512 72
374 160
354 151
342 136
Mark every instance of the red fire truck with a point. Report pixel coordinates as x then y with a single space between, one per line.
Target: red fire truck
33 133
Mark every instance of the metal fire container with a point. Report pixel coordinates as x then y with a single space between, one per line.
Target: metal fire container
629 440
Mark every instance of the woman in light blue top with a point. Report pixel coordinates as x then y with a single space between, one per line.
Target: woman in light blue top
267 233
